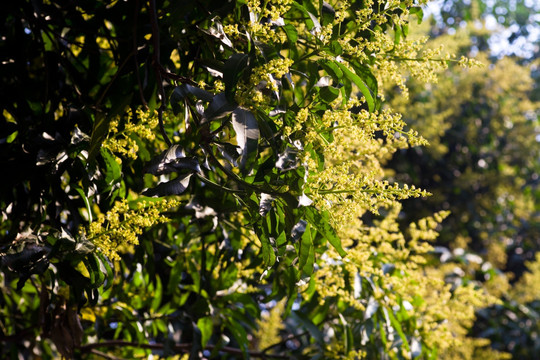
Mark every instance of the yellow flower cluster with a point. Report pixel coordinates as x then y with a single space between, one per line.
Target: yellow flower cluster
444 315
263 15
469 63
337 347
120 141
269 326
250 95
527 288
352 180
119 228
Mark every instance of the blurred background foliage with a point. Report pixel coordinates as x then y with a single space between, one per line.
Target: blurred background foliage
483 160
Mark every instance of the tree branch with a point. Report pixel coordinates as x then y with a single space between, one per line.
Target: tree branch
290 337
179 348
157 68
136 63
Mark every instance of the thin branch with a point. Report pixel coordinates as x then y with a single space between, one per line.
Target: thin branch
171 76
211 183
290 337
157 68
135 50
179 348
115 76
235 178
105 355
18 336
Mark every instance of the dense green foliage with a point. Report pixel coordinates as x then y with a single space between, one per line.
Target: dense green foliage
209 179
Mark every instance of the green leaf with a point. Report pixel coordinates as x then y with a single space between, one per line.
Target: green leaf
305 322
335 48
348 338
332 69
361 85
175 275
292 34
86 202
206 326
321 222
329 93
180 93
397 34
92 263
228 276
397 326
417 10
327 13
268 253
233 69
113 170
367 76
12 137
157 295
307 253
99 132
108 271
239 333
184 90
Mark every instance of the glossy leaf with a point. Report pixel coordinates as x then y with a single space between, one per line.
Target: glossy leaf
219 107
298 230
172 160
306 255
232 71
265 204
247 135
173 187
361 85
321 222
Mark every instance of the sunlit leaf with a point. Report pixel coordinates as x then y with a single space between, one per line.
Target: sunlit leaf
265 204
172 160
247 135
219 107
321 222
205 325
298 230
306 256
287 160
172 187
361 85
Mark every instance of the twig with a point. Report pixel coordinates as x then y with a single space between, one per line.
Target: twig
175 77
115 76
105 355
18 336
134 36
290 337
157 68
179 348
235 178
